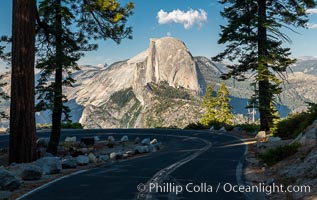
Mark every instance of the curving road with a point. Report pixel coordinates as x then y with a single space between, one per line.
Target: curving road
190 160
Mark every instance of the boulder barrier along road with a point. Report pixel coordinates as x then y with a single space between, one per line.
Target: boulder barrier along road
191 165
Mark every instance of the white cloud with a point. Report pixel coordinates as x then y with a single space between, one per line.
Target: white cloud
312 26
311 11
188 19
169 34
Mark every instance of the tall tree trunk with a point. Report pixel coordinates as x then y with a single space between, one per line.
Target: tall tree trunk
58 91
263 71
22 113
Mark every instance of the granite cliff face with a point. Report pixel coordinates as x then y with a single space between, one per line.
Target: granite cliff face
123 94
169 60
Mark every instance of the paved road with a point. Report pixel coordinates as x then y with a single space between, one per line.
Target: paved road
198 157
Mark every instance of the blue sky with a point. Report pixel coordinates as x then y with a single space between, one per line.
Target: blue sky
196 22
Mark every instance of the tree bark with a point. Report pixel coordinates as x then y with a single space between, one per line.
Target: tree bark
58 90
263 71
22 112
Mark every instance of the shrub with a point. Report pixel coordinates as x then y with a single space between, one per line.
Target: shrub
229 127
296 123
275 155
196 125
165 91
69 125
249 128
122 97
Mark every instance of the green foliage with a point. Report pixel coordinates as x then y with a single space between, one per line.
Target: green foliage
3 95
74 125
135 117
296 123
5 56
64 31
229 127
196 125
274 119
223 108
65 125
254 43
153 122
275 155
218 110
122 97
163 90
249 128
44 126
209 103
129 118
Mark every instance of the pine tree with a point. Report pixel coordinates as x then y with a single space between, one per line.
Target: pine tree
3 95
275 118
64 30
22 113
209 103
254 42
223 108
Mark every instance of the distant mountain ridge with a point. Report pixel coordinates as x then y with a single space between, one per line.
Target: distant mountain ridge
162 86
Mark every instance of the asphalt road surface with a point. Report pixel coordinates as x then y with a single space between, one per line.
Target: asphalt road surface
192 165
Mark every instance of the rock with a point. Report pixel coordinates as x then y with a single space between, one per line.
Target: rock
113 155
83 150
119 155
308 136
165 56
297 139
124 139
146 141
158 145
151 148
27 172
146 149
88 140
104 158
311 158
49 165
42 142
130 153
92 158
139 149
97 139
8 181
5 195
223 129
261 136
111 139
212 128
137 140
82 160
69 162
71 139
274 139
154 141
